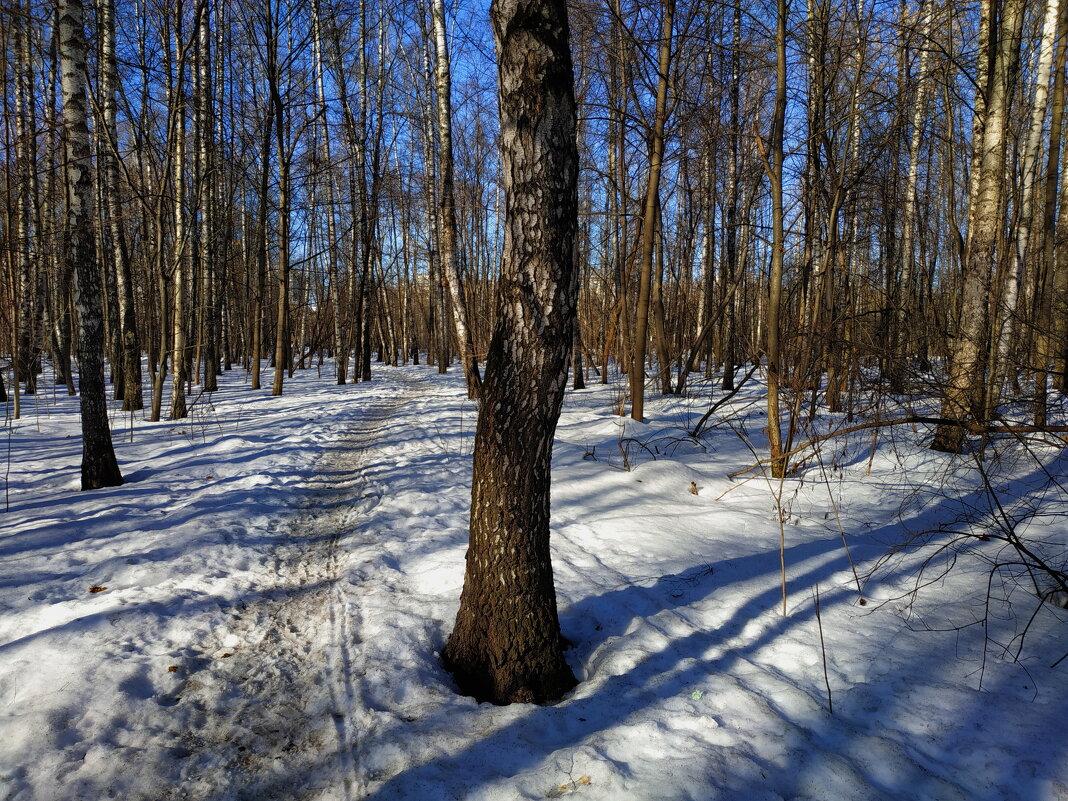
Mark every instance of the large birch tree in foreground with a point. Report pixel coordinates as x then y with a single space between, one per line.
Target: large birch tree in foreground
99 467
506 644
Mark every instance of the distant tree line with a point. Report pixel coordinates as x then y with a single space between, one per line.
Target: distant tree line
860 197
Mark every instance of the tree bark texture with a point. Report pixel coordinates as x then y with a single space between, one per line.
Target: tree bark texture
506 644
964 393
99 467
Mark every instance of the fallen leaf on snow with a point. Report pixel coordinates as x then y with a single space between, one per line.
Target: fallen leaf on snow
96 588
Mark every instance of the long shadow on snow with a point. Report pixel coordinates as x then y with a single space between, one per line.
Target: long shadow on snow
685 662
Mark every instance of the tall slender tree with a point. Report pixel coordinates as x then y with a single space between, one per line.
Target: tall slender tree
450 273
649 217
964 397
99 466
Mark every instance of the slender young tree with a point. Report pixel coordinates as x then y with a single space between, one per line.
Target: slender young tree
506 644
904 306
450 272
1005 322
99 467
649 219
181 269
133 391
774 166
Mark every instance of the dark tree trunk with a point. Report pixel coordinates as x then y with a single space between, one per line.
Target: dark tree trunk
99 467
130 350
506 645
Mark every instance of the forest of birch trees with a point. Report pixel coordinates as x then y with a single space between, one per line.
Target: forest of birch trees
860 201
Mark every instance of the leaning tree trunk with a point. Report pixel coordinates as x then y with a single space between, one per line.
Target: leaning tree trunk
506 645
99 467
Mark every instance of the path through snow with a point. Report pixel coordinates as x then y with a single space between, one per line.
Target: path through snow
282 701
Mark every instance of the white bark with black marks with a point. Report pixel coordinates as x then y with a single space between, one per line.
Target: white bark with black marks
99 467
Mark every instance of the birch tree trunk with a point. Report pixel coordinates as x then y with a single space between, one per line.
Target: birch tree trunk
447 205
506 644
908 221
206 180
27 311
1029 168
730 261
133 390
341 360
99 467
181 246
281 332
1044 327
963 401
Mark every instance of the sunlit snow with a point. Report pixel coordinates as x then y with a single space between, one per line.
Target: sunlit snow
279 575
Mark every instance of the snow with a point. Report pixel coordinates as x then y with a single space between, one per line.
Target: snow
280 575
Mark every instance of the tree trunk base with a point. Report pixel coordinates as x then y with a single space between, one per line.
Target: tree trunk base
486 676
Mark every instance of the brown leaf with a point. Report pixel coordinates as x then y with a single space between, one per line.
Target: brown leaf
693 487
95 588
172 668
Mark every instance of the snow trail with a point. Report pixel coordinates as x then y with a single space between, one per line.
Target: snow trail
276 708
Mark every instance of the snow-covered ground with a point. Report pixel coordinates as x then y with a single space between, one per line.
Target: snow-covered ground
257 613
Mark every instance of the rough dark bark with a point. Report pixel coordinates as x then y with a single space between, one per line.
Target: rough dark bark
506 644
99 467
